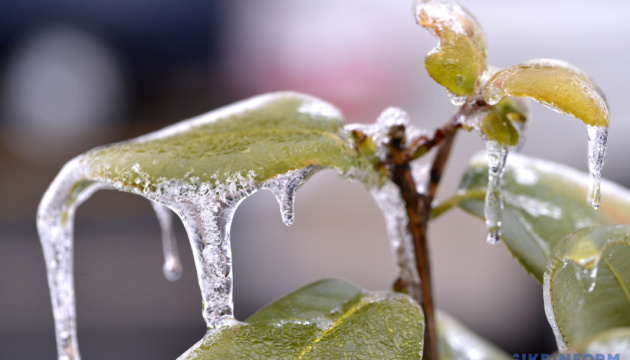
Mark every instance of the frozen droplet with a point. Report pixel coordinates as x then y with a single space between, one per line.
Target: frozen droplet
520 126
597 139
285 186
421 173
457 100
496 155
172 265
494 235
389 200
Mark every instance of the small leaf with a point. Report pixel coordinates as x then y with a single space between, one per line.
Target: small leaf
460 56
614 342
553 83
260 137
497 124
329 319
544 201
459 343
587 283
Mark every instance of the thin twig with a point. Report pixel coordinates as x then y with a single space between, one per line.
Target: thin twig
418 207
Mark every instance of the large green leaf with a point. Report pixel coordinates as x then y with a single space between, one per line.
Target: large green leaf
543 202
587 283
329 319
334 319
553 83
459 343
614 342
255 139
460 56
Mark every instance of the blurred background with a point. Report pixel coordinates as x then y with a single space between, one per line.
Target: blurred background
74 75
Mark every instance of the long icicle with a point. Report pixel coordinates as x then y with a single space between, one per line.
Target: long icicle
207 222
55 225
493 210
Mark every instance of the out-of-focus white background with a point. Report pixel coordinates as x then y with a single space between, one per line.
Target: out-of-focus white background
75 76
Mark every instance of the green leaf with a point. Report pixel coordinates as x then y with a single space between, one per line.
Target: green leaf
497 124
553 83
329 319
587 283
460 56
614 341
459 343
256 138
543 202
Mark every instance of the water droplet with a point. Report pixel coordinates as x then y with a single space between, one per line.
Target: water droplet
496 155
597 139
172 265
285 186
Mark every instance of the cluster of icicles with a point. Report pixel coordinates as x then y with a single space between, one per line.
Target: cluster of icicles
207 219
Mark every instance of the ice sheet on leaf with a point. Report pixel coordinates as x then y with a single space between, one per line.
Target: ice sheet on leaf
460 56
587 282
202 169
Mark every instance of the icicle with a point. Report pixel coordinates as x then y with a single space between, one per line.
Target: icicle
597 139
207 222
390 202
172 265
55 223
284 187
496 155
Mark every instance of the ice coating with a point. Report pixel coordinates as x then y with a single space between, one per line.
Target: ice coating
496 155
567 90
389 200
597 139
201 169
172 265
551 316
459 57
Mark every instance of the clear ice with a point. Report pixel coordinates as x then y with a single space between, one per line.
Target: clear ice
206 211
172 265
390 202
389 199
496 155
551 316
597 139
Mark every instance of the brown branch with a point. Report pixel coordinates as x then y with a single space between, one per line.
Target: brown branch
418 207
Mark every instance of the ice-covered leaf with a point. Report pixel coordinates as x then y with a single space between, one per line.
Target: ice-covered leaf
263 136
459 343
329 319
201 169
543 202
614 341
553 83
587 283
460 56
